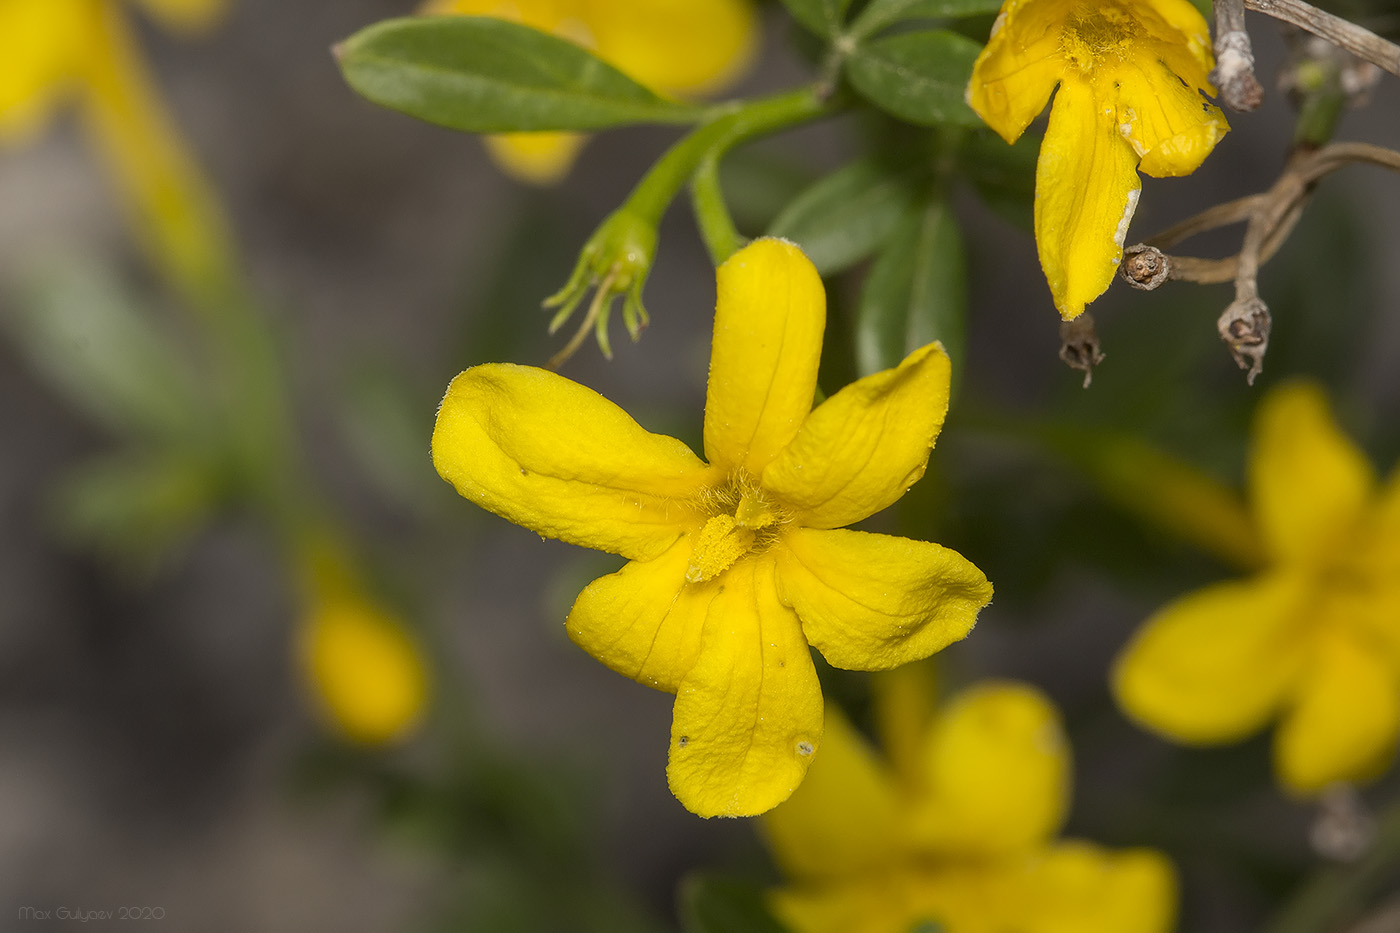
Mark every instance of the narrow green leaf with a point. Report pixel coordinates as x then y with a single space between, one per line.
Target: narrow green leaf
84 334
711 904
486 75
880 14
844 217
920 77
916 292
823 17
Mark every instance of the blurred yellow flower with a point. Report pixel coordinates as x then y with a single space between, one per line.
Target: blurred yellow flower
1130 74
956 829
82 51
736 565
1314 638
365 672
683 47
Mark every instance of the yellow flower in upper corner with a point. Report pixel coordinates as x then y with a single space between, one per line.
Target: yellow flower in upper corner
737 565
1130 73
958 830
682 47
1314 638
56 52
365 671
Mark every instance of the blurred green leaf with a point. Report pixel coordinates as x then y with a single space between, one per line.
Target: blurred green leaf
486 75
916 291
82 332
879 14
711 904
823 17
845 216
1003 176
136 507
920 76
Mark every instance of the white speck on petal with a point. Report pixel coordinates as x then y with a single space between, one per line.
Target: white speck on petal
1121 233
804 748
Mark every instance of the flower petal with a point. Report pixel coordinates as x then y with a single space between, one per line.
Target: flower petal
1345 718
996 769
1180 37
748 716
769 318
1081 888
1086 189
842 819
645 621
1014 75
549 454
862 449
541 158
1308 481
874 602
1170 126
676 46
42 43
1215 665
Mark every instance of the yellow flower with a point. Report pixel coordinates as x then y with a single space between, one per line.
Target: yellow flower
82 51
958 829
681 47
1130 74
738 564
1313 638
365 672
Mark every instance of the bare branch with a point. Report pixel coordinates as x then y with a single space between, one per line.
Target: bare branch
1233 74
1358 41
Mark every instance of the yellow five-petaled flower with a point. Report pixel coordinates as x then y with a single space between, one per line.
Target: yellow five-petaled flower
735 565
1314 637
957 830
1130 74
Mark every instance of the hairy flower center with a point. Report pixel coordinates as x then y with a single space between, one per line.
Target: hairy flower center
1095 32
743 519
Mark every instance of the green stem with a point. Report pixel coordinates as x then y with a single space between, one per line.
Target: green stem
717 228
1336 893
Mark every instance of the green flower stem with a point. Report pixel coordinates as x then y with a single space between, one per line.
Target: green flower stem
1338 893
712 214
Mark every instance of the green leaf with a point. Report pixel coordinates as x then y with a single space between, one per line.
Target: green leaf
486 75
880 14
916 292
844 217
1003 175
86 336
711 904
920 76
824 17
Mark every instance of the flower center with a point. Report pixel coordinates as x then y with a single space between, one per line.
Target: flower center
743 519
1094 32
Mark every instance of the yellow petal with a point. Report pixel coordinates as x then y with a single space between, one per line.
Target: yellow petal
1170 126
1178 34
903 703
861 449
542 158
1308 481
748 716
996 771
42 43
1019 67
842 819
549 454
1345 717
186 15
1081 888
873 602
676 46
878 902
1214 665
1086 189
770 313
644 621
366 671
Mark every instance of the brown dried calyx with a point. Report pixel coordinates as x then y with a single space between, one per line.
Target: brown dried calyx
1145 267
1079 346
1245 326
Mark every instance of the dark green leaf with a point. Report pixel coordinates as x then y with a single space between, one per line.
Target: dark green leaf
824 17
486 75
879 14
845 216
720 905
916 292
920 77
1003 175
